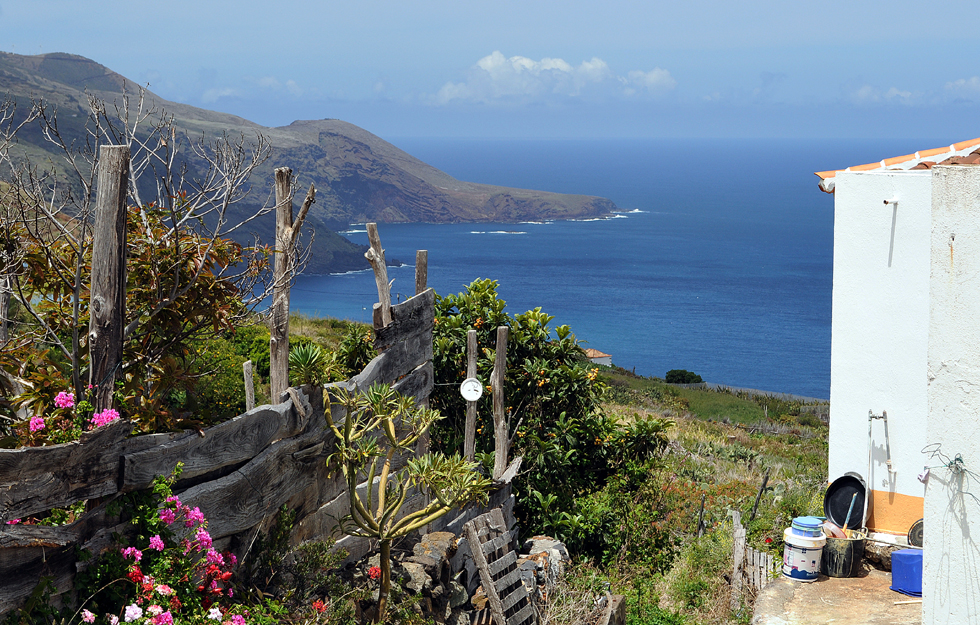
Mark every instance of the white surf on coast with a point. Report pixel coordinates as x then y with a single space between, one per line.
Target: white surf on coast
719 261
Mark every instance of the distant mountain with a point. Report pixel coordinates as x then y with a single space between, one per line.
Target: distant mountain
359 177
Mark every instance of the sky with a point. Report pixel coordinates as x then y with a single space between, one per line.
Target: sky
541 68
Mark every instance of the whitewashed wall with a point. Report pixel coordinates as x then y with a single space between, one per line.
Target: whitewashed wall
950 580
879 341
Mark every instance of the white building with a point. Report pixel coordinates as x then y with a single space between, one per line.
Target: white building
906 342
598 357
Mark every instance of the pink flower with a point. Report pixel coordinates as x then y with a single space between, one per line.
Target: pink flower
231 593
163 619
156 543
155 610
13 521
164 590
167 516
65 400
88 617
105 417
194 516
214 557
174 499
113 619
231 558
133 612
238 619
203 539
37 423
132 552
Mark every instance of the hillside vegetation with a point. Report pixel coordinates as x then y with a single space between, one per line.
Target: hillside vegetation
359 176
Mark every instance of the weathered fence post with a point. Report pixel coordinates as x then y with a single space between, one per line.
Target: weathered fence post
738 557
107 305
421 278
287 232
4 306
249 385
421 270
501 431
762 489
469 442
376 256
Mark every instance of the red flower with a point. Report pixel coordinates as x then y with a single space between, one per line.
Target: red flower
374 572
768 540
135 574
318 606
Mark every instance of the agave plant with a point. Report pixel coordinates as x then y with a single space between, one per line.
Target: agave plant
309 364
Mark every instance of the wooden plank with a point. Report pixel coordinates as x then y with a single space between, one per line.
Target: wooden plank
37 479
497 543
413 316
511 471
496 608
417 384
225 444
502 564
389 366
237 501
524 615
514 596
503 584
376 256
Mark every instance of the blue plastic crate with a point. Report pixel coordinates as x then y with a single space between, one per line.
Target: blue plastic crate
907 572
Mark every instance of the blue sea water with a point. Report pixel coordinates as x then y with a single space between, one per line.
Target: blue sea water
720 264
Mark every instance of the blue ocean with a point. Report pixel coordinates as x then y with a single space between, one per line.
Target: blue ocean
720 263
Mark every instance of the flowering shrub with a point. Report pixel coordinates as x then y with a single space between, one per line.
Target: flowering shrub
170 573
60 421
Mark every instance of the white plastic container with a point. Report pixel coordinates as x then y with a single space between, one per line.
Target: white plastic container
801 555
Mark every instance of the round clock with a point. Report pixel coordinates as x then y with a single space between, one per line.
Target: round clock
471 389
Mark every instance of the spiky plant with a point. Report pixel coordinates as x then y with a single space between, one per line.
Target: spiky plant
380 425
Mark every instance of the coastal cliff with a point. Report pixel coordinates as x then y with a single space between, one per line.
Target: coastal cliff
359 176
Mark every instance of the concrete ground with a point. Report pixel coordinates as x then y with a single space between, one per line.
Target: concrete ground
864 600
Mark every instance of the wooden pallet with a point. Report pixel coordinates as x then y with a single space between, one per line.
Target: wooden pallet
496 560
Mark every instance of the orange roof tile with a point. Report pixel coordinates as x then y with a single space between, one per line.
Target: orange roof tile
594 353
964 152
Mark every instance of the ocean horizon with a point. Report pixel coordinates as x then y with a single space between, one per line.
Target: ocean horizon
719 262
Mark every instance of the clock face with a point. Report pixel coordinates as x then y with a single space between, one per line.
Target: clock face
471 389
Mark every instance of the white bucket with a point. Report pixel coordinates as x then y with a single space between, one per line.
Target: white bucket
801 556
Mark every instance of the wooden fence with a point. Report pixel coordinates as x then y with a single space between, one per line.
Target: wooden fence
752 569
239 473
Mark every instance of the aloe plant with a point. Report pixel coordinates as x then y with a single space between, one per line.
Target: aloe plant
309 364
379 426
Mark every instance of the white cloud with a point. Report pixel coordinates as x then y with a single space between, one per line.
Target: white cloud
294 88
966 88
214 94
654 81
869 94
496 78
269 82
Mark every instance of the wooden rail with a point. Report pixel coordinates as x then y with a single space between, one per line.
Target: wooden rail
239 473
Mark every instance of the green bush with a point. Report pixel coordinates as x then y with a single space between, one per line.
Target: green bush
682 376
552 396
